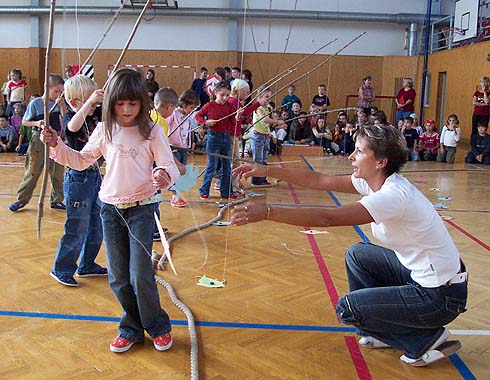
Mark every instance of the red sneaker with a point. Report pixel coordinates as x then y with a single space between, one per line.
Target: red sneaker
203 196
216 186
179 203
121 344
163 342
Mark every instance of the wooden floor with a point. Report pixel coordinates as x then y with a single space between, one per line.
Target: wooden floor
275 319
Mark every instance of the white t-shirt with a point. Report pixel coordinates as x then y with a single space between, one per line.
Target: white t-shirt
406 222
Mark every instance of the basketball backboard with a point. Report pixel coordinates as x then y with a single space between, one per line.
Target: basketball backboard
465 19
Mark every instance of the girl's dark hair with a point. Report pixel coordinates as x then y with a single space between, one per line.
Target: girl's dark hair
16 71
453 115
386 142
187 98
247 74
126 84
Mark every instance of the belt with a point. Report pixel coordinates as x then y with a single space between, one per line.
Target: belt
458 278
151 199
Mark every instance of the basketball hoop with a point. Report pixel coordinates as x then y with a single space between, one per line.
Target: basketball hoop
459 31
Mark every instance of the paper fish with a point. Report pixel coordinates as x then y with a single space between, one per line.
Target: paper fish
220 223
210 282
447 217
444 199
255 195
314 232
188 180
441 205
435 189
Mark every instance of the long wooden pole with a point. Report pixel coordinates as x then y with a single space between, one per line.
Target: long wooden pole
47 69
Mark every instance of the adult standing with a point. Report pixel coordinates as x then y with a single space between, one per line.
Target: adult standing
405 99
151 85
400 296
366 95
199 86
481 104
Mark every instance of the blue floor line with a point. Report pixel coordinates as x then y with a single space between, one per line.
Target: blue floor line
457 361
233 325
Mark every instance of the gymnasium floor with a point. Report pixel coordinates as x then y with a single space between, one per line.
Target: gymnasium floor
275 319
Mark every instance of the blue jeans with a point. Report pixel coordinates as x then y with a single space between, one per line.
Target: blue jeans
83 226
260 153
128 236
220 143
384 301
403 114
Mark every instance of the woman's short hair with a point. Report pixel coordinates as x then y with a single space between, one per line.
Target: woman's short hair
386 142
409 81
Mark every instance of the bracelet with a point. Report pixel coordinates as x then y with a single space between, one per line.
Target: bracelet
268 212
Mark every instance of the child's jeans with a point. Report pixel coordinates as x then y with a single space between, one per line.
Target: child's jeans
128 236
83 226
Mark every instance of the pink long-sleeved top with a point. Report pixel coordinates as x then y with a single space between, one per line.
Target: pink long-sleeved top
129 161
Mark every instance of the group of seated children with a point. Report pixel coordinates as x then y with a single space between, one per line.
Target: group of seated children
426 144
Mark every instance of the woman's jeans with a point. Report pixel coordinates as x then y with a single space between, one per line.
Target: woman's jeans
128 236
385 303
83 226
219 143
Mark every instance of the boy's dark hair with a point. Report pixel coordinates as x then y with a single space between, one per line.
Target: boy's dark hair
409 119
167 95
55 80
292 86
4 117
203 69
187 98
227 69
220 71
482 123
236 68
224 84
366 78
322 85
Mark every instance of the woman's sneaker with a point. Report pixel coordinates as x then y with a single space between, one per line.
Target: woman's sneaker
95 271
121 344
179 203
441 349
163 342
370 342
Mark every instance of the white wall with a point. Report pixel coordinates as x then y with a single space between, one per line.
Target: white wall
194 33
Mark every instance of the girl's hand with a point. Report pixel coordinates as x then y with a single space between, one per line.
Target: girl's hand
211 123
49 136
250 170
248 212
161 179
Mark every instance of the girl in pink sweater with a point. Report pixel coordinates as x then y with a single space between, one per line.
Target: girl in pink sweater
130 144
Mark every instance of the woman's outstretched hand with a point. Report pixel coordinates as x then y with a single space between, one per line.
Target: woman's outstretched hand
250 170
248 212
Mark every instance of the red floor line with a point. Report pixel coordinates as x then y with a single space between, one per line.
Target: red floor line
354 350
469 235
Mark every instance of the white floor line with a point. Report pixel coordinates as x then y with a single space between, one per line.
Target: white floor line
470 332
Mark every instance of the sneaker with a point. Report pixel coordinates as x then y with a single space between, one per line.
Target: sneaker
442 348
95 271
156 234
16 206
121 344
179 203
204 196
64 279
163 342
370 342
58 206
216 186
262 184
